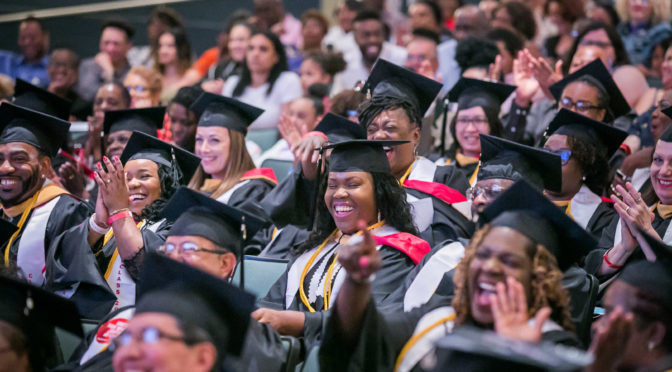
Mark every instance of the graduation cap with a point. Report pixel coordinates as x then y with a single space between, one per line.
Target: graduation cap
195 298
146 120
618 105
220 111
470 93
654 278
340 129
527 211
505 159
7 229
667 111
197 214
36 312
19 124
360 156
144 146
388 79
594 132
474 350
35 98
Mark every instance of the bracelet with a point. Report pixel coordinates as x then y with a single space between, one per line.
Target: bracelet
315 133
118 216
119 211
97 228
626 149
611 265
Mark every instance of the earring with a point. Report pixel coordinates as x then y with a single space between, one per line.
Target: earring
583 178
651 345
378 216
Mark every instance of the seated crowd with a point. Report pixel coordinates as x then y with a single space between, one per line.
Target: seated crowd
451 187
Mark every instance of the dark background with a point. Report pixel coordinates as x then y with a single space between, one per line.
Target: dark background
204 19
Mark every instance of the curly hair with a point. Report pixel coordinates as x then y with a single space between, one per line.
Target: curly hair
475 52
330 62
390 200
171 179
545 282
278 68
345 101
593 162
371 108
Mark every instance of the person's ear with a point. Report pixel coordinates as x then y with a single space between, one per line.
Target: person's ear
205 356
656 335
227 264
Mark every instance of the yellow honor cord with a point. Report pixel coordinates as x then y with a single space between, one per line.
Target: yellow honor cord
407 173
106 240
22 221
413 340
327 283
472 179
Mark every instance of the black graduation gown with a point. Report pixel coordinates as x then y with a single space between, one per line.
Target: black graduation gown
69 211
467 170
72 263
252 187
282 242
590 211
383 335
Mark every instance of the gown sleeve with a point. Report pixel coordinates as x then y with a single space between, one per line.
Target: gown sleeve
291 202
254 191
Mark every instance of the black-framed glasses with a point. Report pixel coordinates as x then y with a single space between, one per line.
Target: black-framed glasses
582 107
147 335
490 192
188 248
565 155
475 121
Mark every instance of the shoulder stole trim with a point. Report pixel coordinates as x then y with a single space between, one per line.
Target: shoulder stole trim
438 190
414 247
606 200
264 173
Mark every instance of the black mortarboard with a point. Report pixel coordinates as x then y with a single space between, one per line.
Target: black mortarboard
667 111
594 132
473 92
667 135
19 124
360 156
654 278
195 298
340 129
505 159
475 350
388 79
199 215
36 312
7 229
618 105
146 120
220 111
144 146
35 98
527 211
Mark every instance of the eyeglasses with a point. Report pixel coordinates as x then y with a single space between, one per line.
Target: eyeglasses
148 335
582 107
490 192
565 155
475 121
599 44
188 248
137 88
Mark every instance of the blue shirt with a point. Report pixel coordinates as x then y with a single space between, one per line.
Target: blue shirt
15 66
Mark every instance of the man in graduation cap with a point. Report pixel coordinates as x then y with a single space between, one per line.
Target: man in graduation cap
522 248
120 124
399 100
42 210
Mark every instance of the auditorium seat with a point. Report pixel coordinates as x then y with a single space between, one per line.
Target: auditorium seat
260 274
281 168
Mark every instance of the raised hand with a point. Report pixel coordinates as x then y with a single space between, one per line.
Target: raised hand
633 211
509 310
495 69
523 78
611 336
72 178
544 73
112 184
286 322
289 131
360 260
304 151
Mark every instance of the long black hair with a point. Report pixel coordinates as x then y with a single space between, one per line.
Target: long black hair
170 182
390 200
276 70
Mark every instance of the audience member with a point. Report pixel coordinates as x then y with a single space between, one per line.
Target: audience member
643 25
62 68
110 97
314 26
183 120
345 104
427 14
320 68
31 64
271 16
173 58
421 54
144 84
563 14
340 37
161 19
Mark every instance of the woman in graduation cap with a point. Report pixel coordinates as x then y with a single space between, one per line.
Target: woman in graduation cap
584 145
478 106
106 252
620 244
220 143
119 125
509 281
358 186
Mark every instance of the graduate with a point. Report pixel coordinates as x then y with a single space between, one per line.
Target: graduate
584 145
478 106
502 164
509 281
185 320
106 252
619 244
220 143
635 333
118 126
39 208
28 318
358 186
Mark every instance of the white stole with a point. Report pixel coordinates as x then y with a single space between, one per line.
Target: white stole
583 205
31 255
107 332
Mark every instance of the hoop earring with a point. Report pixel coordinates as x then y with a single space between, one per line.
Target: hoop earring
378 216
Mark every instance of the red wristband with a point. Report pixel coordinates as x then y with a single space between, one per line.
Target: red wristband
626 149
611 265
118 216
315 133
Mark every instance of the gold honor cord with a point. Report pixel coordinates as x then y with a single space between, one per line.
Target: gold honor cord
413 340
22 221
109 236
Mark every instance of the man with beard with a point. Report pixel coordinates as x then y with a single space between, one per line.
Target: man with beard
42 210
369 35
